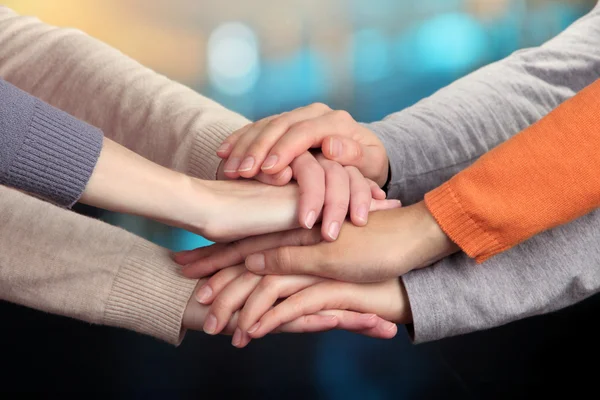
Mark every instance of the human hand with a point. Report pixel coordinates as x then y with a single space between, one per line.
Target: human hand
351 145
196 315
229 289
393 243
227 210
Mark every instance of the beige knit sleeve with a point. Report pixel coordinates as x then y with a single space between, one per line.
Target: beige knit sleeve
157 118
60 262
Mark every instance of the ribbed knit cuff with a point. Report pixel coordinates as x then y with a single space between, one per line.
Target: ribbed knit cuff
149 295
57 156
445 207
204 162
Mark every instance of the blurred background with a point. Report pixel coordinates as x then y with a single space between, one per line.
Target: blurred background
263 57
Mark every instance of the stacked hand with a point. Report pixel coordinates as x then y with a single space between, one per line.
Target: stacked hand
265 283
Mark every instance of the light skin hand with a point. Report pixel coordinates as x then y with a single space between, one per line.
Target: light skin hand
326 185
393 243
125 182
274 142
289 136
196 316
386 299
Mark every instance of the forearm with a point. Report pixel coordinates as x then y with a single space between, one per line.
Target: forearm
543 177
63 263
441 135
125 182
550 271
160 119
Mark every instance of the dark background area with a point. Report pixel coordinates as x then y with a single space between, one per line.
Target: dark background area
372 58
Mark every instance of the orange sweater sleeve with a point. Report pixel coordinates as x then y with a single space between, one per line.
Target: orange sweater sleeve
547 175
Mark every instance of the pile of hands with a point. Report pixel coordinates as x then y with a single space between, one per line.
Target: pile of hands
341 268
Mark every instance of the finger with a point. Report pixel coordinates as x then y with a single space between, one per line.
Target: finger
337 198
322 296
360 197
235 253
231 299
235 158
383 330
310 323
344 150
213 286
226 146
280 179
376 192
311 181
189 256
291 260
266 294
305 135
256 150
364 324
379 205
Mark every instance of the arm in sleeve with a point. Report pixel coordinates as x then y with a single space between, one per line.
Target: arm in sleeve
541 178
443 134
162 120
43 150
63 263
551 271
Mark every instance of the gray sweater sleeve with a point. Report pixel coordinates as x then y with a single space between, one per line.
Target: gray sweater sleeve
443 134
43 150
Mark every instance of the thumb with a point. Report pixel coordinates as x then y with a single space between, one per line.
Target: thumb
349 152
287 260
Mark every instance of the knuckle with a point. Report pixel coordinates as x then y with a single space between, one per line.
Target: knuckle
342 115
259 145
221 306
320 106
338 206
303 127
278 123
283 259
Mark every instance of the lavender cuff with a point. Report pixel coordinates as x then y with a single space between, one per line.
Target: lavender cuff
44 151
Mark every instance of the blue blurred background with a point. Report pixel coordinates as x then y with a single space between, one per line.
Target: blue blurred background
263 57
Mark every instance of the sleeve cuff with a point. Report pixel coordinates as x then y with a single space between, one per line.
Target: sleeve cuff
444 205
149 295
204 162
57 156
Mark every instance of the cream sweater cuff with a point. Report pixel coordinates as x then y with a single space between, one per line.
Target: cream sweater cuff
149 295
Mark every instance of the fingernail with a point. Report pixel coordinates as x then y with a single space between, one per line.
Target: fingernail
335 147
256 262
334 230
203 294
362 213
270 162
247 164
210 325
254 327
224 147
237 337
232 165
388 326
311 218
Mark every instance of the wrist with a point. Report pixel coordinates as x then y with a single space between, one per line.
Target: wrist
406 316
435 240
